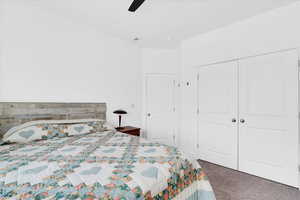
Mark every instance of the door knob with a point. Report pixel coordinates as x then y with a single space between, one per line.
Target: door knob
148 114
242 121
233 120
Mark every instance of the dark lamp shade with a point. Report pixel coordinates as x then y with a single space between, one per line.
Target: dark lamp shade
120 112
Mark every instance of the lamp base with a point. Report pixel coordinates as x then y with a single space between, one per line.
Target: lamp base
120 120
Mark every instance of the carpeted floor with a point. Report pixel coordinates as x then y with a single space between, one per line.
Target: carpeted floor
233 185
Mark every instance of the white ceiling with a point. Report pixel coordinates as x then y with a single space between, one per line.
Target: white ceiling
159 20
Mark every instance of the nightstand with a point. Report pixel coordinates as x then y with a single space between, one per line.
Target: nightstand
129 130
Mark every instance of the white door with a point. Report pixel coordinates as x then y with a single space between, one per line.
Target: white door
217 128
268 127
160 121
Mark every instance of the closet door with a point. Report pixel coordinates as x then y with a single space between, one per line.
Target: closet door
268 125
217 114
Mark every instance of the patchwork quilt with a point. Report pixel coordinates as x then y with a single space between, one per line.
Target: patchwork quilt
105 165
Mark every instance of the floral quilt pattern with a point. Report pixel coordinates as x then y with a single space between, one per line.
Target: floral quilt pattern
106 165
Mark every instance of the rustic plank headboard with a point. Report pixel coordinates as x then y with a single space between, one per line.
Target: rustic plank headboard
12 114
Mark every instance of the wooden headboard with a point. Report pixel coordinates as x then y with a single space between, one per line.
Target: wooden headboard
12 114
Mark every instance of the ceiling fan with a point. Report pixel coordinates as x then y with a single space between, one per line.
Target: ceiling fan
135 5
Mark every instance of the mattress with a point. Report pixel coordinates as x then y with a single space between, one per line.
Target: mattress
104 165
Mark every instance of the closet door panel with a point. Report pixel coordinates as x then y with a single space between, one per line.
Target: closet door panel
217 127
268 127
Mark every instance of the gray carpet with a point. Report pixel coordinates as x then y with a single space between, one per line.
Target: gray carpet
233 185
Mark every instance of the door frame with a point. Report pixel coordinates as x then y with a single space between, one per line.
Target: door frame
175 103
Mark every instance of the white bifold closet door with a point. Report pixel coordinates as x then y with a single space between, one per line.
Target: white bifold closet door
217 129
248 115
268 111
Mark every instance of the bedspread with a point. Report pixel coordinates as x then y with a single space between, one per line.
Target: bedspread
106 165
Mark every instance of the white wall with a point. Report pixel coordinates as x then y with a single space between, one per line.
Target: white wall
160 61
274 30
47 58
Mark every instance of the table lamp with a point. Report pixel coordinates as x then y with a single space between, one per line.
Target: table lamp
120 113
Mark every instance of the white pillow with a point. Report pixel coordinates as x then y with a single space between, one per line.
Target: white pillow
78 129
25 135
45 129
32 123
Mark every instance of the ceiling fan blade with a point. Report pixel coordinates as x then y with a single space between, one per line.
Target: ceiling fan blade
135 5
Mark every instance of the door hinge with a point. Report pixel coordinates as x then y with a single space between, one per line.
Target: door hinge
198 77
198 111
298 63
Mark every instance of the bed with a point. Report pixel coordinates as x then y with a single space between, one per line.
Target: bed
101 164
